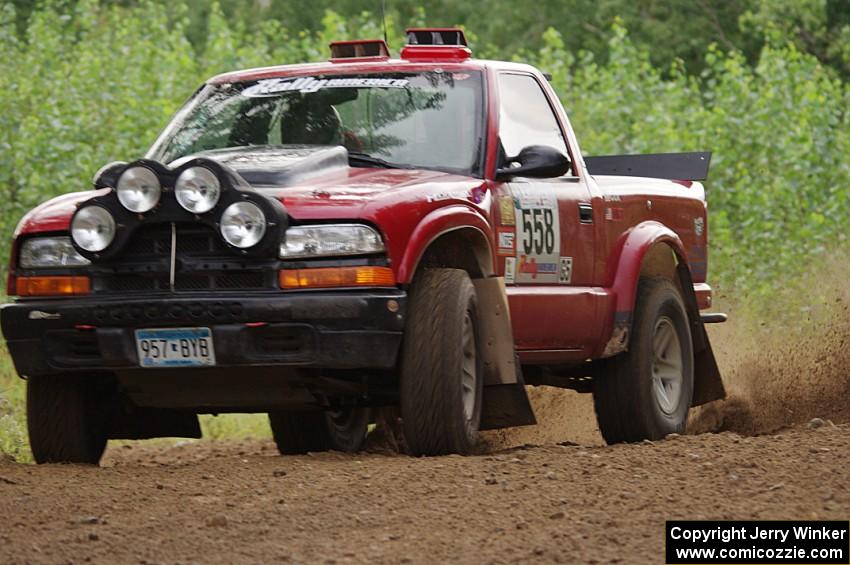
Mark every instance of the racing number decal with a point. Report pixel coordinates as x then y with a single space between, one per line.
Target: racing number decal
538 243
538 231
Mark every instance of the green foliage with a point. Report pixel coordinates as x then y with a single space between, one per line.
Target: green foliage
778 187
87 84
236 426
13 426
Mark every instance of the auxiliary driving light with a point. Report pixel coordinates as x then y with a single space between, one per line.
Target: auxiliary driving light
243 224
197 190
138 189
93 228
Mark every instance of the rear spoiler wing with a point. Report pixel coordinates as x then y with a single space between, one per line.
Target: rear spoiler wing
672 166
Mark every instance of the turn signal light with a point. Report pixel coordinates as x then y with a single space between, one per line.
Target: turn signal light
52 286
336 277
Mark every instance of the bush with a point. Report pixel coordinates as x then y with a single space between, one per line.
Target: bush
96 84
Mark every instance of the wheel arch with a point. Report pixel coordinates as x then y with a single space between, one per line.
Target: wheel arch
451 237
654 250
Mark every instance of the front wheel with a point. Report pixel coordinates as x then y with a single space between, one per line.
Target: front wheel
441 376
646 392
66 420
302 432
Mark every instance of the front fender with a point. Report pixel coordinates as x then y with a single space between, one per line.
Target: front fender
435 224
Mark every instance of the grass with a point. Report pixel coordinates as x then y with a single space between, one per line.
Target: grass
235 426
13 424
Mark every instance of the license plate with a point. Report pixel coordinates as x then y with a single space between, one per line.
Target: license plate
175 347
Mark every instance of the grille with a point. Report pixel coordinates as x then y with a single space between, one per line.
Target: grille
203 263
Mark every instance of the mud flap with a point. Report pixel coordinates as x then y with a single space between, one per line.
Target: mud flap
506 406
497 339
708 385
505 402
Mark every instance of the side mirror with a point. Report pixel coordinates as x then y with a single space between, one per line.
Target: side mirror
536 161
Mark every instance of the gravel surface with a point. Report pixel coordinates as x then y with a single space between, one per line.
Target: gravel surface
546 493
239 502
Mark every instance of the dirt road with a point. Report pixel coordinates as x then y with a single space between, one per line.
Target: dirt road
566 498
238 502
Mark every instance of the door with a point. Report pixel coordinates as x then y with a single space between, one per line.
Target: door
545 231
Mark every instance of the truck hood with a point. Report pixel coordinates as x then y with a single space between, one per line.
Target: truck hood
311 184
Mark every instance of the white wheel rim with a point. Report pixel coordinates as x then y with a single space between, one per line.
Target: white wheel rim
469 377
667 374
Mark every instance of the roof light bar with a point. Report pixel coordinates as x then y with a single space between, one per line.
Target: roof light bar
436 36
436 44
359 49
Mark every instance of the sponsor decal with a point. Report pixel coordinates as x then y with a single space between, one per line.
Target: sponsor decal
614 214
449 195
530 267
506 211
699 226
506 241
565 272
270 87
510 270
39 315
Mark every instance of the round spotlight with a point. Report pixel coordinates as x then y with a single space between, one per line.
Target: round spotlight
243 224
138 189
93 228
197 190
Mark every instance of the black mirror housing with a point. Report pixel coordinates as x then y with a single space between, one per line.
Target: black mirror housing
536 161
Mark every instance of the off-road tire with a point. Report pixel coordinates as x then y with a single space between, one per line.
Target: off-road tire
628 408
66 419
302 432
443 308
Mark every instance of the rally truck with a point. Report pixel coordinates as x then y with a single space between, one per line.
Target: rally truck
332 242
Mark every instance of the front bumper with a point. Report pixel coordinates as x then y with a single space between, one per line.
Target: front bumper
321 329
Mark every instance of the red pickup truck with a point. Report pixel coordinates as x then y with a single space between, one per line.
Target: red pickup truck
330 242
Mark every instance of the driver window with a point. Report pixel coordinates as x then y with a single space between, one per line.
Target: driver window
525 117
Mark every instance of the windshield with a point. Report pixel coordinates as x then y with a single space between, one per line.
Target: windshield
429 120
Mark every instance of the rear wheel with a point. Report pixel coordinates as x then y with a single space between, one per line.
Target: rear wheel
441 378
302 432
646 392
66 421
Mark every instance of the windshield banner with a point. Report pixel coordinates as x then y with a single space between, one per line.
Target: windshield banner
270 87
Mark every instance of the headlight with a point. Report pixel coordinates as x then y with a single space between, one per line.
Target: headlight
330 240
40 252
197 189
138 189
243 224
93 228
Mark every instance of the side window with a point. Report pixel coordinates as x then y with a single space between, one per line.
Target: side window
525 117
